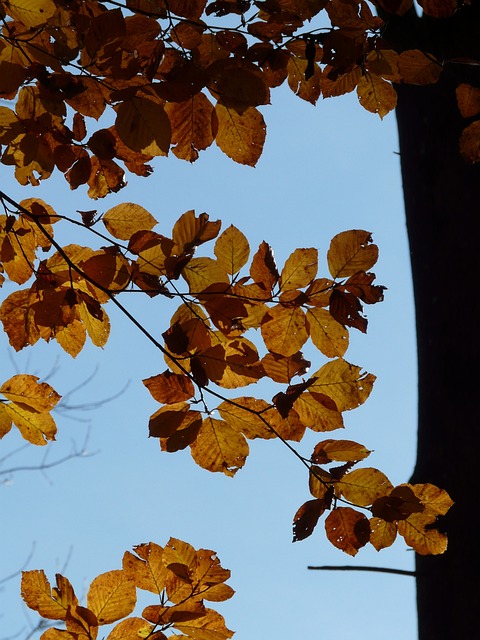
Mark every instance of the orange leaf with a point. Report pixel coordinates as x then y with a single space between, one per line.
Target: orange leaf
347 529
201 273
350 252
39 596
417 67
282 369
376 94
25 389
343 383
318 412
170 387
363 486
111 596
191 123
299 270
125 219
240 136
210 627
470 142
143 125
328 335
232 250
263 269
468 99
132 629
284 330
5 421
37 428
421 536
218 447
146 569
338 450
382 534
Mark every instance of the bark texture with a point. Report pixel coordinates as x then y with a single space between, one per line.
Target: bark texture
442 202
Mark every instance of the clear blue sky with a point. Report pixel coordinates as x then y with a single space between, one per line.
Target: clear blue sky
325 169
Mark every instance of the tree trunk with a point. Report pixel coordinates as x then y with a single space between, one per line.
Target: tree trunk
442 202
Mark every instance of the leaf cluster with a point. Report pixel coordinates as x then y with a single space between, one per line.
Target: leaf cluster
179 76
181 578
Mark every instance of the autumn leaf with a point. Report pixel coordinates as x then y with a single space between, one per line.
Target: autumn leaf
419 534
26 389
299 270
143 125
38 595
350 252
306 518
218 447
343 383
417 67
382 534
338 450
468 99
232 250
132 629
111 596
38 428
169 387
376 94
347 529
363 486
145 568
240 136
123 220
284 330
328 335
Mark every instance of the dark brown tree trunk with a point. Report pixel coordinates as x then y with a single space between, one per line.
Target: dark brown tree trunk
442 202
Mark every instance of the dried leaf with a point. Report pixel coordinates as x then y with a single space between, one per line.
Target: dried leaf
350 252
111 596
232 250
125 219
347 529
218 447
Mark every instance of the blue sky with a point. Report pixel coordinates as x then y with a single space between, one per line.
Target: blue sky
325 169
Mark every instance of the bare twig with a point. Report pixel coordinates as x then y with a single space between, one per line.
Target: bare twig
349 567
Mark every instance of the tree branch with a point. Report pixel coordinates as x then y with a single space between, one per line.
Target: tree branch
349 567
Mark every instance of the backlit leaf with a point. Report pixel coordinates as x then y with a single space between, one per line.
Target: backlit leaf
132 629
38 595
347 529
210 627
306 518
5 421
201 273
191 123
421 536
37 428
344 383
143 125
328 335
32 13
350 252
146 569
417 67
218 447
240 136
382 534
111 596
169 387
338 450
125 219
232 250
376 94
299 270
284 330
26 389
363 486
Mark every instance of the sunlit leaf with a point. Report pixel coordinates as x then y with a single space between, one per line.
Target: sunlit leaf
218 447
111 596
125 219
347 529
350 252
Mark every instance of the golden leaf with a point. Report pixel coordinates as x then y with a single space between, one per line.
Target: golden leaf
32 13
344 383
382 534
143 125
95 320
435 500
240 136
263 269
299 270
350 252
26 389
37 428
363 486
132 629
209 627
167 615
201 273
344 83
423 538
417 67
248 416
111 596
318 412
308 90
376 94
282 369
339 450
125 219
328 335
218 447
180 558
190 231
169 387
284 330
39 596
17 317
232 250
146 570
347 529
5 421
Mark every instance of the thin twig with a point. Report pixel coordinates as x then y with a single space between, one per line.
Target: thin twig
349 567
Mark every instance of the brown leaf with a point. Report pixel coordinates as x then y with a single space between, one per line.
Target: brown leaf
347 309
338 450
38 595
470 142
417 67
143 125
170 387
218 447
376 94
284 330
347 529
192 126
232 250
306 518
328 335
240 136
263 269
468 99
350 252
125 219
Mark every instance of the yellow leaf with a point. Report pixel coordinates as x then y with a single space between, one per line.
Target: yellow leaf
376 94
317 413
169 387
240 136
382 534
363 486
218 447
344 383
299 270
146 570
191 123
123 220
209 627
342 84
232 250
143 125
37 428
284 330
328 335
72 337
32 13
95 320
347 529
435 500
201 273
351 252
180 557
39 596
423 538
132 629
111 596
339 450
5 421
190 231
245 415
417 67
308 90
25 389
17 317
